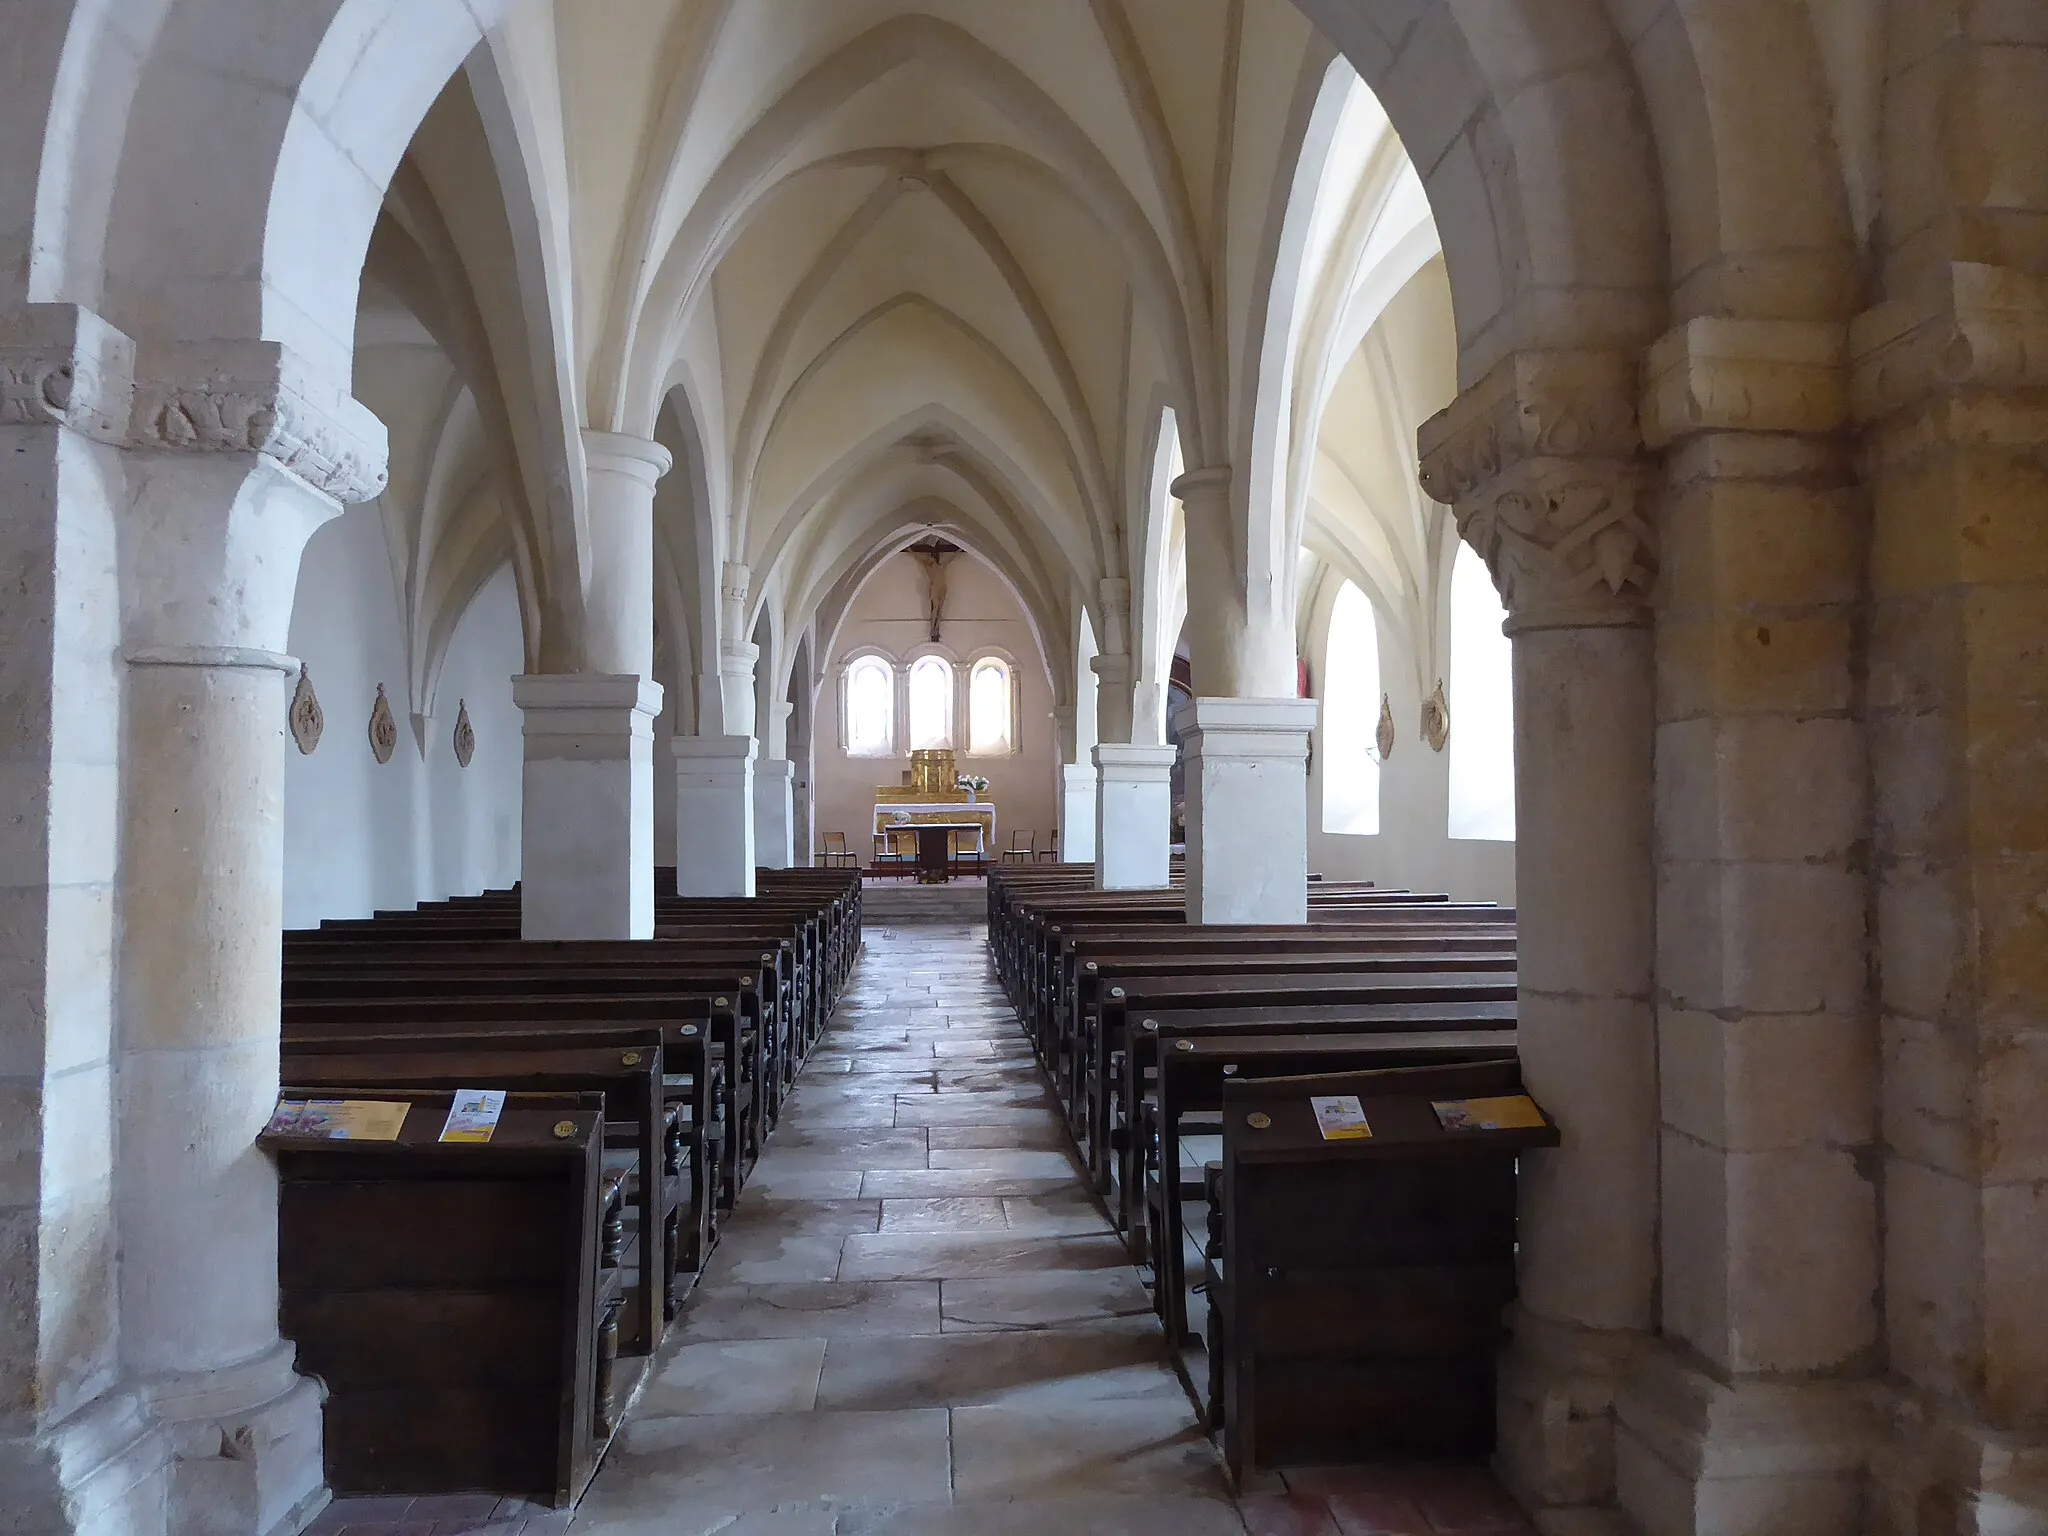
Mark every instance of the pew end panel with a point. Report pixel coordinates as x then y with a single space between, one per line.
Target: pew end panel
450 1298
1363 1282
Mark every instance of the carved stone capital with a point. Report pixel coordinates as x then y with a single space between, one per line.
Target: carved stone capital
1966 361
1533 405
1541 463
256 397
1714 375
63 366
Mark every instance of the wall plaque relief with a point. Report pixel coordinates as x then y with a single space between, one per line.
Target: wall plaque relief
1383 737
383 728
304 717
465 736
1436 718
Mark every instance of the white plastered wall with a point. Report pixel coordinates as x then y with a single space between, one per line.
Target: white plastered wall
1413 847
360 835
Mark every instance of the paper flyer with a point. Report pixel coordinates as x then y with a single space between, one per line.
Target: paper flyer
474 1114
338 1119
1340 1118
1515 1112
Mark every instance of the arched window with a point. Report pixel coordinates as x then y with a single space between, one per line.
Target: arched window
1351 716
989 709
870 708
1481 694
931 703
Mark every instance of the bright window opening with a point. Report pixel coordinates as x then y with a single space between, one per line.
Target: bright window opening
1481 694
988 709
1351 713
931 704
870 708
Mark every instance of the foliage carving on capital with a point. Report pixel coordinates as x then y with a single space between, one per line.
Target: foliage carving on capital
1534 405
1566 536
1541 462
62 366
254 398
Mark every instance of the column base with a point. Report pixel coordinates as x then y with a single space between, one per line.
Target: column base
1699 1457
714 815
1133 817
1555 1395
104 1470
1936 1471
1247 808
245 1447
586 868
774 812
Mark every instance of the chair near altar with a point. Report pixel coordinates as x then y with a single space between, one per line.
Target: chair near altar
930 796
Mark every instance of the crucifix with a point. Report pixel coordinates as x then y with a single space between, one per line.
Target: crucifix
933 554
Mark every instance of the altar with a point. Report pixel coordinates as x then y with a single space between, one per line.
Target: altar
929 797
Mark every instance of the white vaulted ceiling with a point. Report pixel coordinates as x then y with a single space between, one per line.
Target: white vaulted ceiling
873 268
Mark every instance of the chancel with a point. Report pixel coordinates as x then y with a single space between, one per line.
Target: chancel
1093 766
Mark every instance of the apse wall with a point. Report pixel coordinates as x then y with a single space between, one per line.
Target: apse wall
1413 847
981 614
359 834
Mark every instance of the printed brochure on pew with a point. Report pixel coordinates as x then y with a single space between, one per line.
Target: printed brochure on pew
1514 1112
1340 1117
337 1119
474 1114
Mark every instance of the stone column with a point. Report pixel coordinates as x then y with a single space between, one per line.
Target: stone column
1246 768
1246 739
1951 388
1133 817
77 1449
1751 1413
714 815
774 812
1541 462
239 457
587 833
619 597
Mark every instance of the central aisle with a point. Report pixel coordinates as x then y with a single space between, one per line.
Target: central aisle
919 1323
918 1320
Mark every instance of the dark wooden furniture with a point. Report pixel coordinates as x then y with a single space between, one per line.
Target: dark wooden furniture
452 1300
1356 1297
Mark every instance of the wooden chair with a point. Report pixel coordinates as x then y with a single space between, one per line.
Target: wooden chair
1021 851
1050 854
888 860
835 854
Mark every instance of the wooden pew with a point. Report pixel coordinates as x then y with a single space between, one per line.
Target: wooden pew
565 1001
1197 1053
644 1130
452 1300
1356 1287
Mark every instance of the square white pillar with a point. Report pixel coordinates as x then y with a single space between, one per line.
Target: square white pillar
1133 817
714 815
774 813
1076 805
1247 808
586 864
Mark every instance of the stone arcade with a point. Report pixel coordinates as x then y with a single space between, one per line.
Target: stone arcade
579 367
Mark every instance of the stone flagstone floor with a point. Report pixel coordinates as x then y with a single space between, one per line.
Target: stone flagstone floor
920 1323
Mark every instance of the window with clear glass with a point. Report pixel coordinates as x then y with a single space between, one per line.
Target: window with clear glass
1481 694
1351 716
988 709
931 704
870 708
